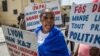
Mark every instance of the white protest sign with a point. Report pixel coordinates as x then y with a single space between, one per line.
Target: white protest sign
32 14
20 42
56 9
84 26
32 17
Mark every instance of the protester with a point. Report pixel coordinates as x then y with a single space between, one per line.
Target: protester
18 19
87 50
72 44
83 50
96 1
64 17
51 41
21 21
94 51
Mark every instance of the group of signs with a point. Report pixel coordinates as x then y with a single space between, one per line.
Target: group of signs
32 14
84 27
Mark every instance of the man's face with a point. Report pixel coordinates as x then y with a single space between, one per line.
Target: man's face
47 21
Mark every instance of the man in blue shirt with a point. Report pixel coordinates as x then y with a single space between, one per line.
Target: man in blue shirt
51 41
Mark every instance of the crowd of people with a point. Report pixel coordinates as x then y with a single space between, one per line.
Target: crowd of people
51 41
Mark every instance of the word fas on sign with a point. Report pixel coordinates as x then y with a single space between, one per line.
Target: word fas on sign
80 9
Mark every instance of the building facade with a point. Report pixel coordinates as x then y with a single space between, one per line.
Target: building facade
10 10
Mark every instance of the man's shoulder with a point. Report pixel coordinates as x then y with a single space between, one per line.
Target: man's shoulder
38 28
57 30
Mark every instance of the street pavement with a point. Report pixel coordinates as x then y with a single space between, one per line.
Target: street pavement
1 35
3 46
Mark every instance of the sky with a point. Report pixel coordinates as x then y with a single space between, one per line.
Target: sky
70 2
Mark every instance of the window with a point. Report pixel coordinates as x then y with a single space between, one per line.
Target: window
4 6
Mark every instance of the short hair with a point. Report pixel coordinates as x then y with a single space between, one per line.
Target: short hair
47 11
22 15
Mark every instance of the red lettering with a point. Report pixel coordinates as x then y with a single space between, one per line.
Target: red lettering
80 9
35 7
56 12
16 52
94 8
99 8
23 54
39 6
27 51
43 6
12 54
76 9
35 54
84 8
12 45
32 17
10 49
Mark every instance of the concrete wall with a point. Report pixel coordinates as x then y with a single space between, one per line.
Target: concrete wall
41 1
0 10
38 1
8 18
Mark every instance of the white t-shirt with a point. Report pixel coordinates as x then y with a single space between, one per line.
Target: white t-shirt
41 37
